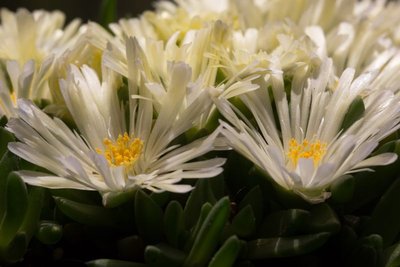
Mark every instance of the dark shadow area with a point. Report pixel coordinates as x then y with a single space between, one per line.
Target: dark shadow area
84 9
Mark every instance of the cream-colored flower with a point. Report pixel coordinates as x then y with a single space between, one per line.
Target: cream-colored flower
151 60
34 35
29 44
116 150
301 142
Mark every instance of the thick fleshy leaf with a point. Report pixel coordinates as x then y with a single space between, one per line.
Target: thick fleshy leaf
174 223
201 194
244 223
163 255
255 200
385 219
283 223
342 190
16 206
209 233
227 253
148 216
49 233
87 214
113 263
285 246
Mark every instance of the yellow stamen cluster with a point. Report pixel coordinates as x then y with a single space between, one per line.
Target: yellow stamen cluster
123 152
315 150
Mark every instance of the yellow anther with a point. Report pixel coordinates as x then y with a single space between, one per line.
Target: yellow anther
125 151
306 149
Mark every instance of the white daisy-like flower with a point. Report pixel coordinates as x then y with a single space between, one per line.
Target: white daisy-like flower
116 150
153 58
29 44
34 35
301 143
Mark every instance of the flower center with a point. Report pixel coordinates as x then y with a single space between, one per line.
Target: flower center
122 152
306 149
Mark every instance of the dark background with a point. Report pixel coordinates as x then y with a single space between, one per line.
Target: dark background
84 9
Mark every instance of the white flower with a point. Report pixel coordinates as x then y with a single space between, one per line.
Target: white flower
145 58
29 44
306 149
116 150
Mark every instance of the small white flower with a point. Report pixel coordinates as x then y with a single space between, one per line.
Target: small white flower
115 150
306 149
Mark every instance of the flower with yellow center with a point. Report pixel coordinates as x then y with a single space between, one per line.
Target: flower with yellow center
125 151
112 153
303 142
305 149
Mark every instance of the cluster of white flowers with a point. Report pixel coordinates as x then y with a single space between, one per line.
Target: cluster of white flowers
282 75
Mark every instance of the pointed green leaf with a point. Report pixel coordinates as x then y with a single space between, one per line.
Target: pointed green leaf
284 223
210 231
201 194
34 209
148 216
322 219
343 189
285 246
113 263
379 222
392 256
163 255
108 12
227 254
174 223
87 214
205 210
5 138
255 200
244 223
161 199
15 250
16 205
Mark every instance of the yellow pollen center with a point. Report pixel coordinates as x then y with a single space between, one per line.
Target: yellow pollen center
123 152
315 150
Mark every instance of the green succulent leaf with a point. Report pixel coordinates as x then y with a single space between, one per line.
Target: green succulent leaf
322 219
174 223
163 255
87 214
34 209
284 223
244 223
16 206
279 247
255 200
113 263
15 249
205 210
201 194
227 253
49 233
209 233
392 256
148 216
343 189
5 138
386 208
